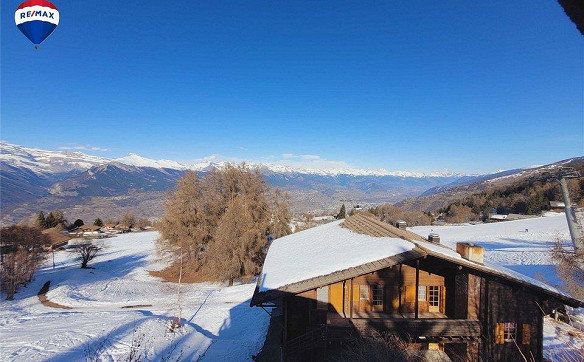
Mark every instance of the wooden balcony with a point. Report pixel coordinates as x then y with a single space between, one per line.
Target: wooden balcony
430 329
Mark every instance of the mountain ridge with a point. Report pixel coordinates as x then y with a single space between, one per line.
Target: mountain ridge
37 160
87 186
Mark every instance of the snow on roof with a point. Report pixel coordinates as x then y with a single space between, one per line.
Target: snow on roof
323 250
444 252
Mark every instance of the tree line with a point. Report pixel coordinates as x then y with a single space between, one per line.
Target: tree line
529 197
56 219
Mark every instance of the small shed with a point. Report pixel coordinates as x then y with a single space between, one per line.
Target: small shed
497 217
557 206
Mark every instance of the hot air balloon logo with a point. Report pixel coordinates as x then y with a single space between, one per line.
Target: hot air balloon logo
36 19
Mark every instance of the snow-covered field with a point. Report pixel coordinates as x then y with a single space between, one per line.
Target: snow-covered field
117 308
524 246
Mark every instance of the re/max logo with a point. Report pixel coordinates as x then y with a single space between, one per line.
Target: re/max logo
44 14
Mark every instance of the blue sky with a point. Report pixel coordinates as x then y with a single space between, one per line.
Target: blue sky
464 86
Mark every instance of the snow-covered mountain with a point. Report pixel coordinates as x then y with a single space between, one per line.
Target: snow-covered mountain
45 163
34 179
136 160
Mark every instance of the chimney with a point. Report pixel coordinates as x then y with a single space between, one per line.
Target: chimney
434 238
471 252
400 224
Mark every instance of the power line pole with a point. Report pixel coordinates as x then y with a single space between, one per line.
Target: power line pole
576 232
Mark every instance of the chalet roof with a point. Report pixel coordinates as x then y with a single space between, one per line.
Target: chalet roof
324 250
359 245
575 10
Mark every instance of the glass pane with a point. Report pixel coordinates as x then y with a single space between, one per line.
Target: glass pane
377 294
421 292
434 295
364 292
322 297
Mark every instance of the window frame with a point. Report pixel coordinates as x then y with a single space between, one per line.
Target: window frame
422 293
433 295
377 300
364 288
509 331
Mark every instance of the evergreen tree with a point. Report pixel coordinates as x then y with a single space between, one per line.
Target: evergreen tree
55 218
98 222
342 213
40 221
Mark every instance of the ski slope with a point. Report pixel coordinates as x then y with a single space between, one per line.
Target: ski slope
117 308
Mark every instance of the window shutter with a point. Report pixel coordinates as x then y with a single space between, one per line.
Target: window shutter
500 333
355 294
442 299
526 335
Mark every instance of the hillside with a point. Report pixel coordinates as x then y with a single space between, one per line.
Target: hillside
88 187
520 191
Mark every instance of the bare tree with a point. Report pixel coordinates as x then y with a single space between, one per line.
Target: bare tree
219 225
569 262
87 251
25 251
129 220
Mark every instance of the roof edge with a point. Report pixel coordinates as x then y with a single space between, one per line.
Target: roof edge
334 277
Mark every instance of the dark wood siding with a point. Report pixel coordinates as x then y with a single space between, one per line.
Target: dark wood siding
506 304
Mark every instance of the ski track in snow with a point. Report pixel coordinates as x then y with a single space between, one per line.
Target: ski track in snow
218 320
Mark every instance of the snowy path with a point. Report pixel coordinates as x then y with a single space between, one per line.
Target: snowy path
218 322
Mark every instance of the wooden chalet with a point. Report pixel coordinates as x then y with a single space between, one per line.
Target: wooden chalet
340 280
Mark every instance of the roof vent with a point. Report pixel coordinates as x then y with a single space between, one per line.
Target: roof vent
471 252
434 238
400 224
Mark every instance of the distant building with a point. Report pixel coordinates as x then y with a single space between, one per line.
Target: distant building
498 217
400 224
557 206
324 218
512 217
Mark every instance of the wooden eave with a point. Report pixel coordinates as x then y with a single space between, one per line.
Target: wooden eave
335 277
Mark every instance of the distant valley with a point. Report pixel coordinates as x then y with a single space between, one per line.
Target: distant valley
87 186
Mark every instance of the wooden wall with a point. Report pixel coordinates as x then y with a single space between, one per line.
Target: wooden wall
465 296
399 291
503 303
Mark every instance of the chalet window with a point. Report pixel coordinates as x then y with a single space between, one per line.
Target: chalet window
363 292
377 294
434 295
421 292
509 331
526 335
322 298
